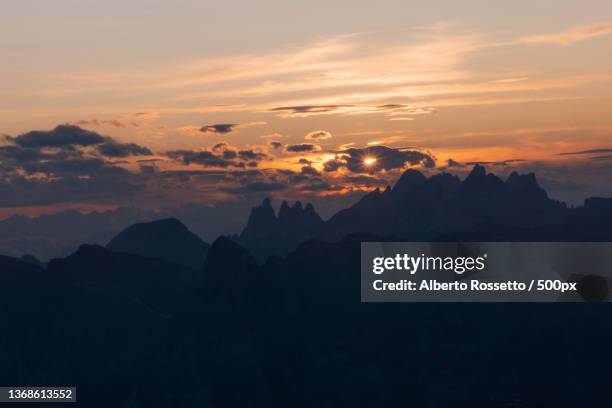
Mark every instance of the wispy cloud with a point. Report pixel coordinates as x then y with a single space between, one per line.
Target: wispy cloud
571 35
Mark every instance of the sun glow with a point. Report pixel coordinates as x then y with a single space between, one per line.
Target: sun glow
369 161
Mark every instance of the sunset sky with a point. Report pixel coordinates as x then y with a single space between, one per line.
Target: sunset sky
208 101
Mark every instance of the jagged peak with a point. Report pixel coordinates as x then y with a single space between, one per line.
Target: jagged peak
309 208
298 205
477 172
409 179
266 203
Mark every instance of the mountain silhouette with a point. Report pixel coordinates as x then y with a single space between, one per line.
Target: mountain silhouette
166 239
291 331
267 234
291 221
415 208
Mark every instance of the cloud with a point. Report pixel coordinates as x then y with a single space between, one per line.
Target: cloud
249 154
600 158
309 171
570 36
302 148
71 136
63 135
220 155
591 151
366 181
256 187
318 135
146 115
386 158
66 164
392 110
220 128
119 123
495 163
319 185
111 148
276 145
204 158
307 110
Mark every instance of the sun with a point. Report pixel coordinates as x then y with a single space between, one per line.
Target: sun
369 161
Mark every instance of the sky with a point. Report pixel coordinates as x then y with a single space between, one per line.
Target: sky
156 103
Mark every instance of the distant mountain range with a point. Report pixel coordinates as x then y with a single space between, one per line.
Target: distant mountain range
60 234
440 207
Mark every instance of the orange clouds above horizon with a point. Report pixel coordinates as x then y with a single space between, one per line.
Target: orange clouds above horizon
304 115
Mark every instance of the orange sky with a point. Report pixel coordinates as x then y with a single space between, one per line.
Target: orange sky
467 85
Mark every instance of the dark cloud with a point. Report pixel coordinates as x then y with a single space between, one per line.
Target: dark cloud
366 181
495 163
112 148
276 145
318 135
256 187
20 154
598 158
220 147
221 155
229 154
302 109
69 137
302 148
63 135
591 151
221 128
333 165
251 155
387 109
48 167
319 185
305 161
204 158
309 171
386 159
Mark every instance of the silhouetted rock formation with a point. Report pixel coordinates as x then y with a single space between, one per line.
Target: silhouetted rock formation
262 221
291 221
416 208
421 208
267 234
166 239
